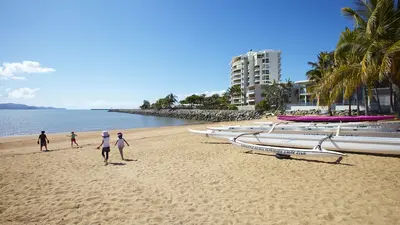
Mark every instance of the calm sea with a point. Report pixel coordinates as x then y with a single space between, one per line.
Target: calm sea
27 122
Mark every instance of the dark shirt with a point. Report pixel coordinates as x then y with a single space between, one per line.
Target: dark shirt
42 137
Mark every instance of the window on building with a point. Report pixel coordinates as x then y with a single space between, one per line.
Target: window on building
266 60
265 77
265 71
266 54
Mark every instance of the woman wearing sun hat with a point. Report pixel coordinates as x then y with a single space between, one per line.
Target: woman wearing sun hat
106 146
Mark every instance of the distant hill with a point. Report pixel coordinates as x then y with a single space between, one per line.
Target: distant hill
22 106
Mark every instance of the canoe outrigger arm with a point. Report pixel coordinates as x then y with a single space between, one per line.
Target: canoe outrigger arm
252 133
318 146
338 130
273 127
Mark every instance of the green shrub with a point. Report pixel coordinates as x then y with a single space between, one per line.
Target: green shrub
263 106
232 107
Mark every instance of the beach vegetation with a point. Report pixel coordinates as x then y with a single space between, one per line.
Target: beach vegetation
366 56
146 105
276 95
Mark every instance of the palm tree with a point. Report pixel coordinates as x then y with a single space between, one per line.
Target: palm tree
170 100
235 90
277 94
379 25
348 71
146 105
319 74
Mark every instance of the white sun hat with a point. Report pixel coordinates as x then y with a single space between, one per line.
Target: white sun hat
105 134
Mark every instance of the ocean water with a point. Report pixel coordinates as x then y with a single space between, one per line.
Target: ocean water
27 122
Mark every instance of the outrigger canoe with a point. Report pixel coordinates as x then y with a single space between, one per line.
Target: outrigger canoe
334 118
279 151
375 145
373 131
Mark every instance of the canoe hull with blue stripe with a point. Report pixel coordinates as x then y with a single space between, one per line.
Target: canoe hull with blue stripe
287 151
375 145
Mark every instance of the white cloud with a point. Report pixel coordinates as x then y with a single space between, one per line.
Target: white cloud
207 93
10 70
23 93
18 78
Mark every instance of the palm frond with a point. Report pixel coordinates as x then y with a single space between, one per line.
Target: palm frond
387 61
372 22
350 13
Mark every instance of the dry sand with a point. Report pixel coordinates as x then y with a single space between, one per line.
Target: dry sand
176 177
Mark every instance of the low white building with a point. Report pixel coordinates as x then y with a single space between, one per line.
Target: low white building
302 99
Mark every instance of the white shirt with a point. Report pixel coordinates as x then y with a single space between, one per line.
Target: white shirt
120 143
106 142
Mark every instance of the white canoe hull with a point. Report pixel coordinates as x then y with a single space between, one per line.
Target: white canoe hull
339 131
376 145
287 151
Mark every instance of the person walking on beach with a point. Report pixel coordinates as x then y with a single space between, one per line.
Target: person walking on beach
121 144
73 139
106 146
42 141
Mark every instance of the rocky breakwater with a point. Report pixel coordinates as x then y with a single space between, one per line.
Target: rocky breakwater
196 114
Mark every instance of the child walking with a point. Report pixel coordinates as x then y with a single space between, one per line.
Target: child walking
106 146
42 137
121 144
73 139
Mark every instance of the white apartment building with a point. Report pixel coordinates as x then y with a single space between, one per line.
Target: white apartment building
253 71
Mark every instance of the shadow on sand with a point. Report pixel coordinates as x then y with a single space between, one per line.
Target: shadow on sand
131 160
299 159
117 164
216 143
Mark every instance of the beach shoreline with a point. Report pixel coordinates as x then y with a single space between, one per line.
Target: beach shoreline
112 130
173 176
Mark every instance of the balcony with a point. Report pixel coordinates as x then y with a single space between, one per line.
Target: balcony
251 92
235 79
303 91
234 76
236 70
236 82
236 97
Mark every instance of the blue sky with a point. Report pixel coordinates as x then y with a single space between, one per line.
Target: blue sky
95 53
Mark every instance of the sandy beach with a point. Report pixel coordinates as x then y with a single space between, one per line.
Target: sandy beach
176 177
